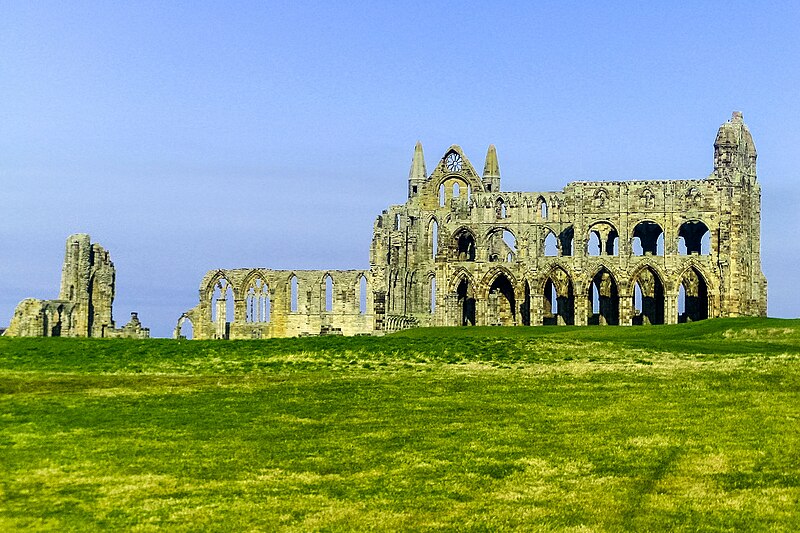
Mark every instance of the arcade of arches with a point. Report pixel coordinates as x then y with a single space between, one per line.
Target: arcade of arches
461 251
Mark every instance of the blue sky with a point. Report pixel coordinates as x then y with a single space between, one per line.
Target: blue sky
191 136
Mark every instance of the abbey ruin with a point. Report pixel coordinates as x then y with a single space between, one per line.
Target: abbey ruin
84 304
461 251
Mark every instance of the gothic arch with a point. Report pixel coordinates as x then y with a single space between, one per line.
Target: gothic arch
558 290
652 308
607 237
491 275
457 276
693 289
602 292
651 237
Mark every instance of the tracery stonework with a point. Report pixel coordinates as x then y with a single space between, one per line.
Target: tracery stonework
461 251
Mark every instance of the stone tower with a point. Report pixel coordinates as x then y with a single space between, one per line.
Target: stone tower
85 299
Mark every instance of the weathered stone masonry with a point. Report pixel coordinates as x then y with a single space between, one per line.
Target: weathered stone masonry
84 304
461 251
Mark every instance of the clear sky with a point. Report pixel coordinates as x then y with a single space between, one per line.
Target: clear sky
191 136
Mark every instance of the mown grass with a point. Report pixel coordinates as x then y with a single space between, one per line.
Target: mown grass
691 427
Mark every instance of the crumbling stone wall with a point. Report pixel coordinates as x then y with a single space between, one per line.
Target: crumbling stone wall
461 251
84 304
261 303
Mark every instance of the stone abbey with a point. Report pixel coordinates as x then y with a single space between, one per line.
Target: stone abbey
462 251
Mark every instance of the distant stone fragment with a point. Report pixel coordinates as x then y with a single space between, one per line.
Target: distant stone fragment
83 307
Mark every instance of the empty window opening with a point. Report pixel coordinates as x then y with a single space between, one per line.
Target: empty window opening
465 246
362 295
466 302
692 297
257 302
456 190
567 239
559 300
594 247
603 239
441 195
500 208
185 328
637 299
502 246
525 307
501 306
543 209
648 299
294 291
434 239
397 221
328 293
651 239
222 313
636 246
694 238
550 245
603 299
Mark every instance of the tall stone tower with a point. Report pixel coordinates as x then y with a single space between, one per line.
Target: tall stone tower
87 280
83 307
744 289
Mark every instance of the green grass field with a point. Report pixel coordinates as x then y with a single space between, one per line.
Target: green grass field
690 428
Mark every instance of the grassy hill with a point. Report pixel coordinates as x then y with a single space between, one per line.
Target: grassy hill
690 427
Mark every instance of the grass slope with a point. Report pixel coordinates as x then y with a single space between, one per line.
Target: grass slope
691 427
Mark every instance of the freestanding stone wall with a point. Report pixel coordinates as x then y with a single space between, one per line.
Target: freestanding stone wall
461 251
85 299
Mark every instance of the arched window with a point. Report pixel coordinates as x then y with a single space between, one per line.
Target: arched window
222 313
434 232
456 190
593 245
559 299
692 297
465 246
567 238
603 299
694 238
293 288
550 244
328 287
441 195
500 208
648 239
603 239
185 328
362 294
257 302
648 298
543 208
502 245
466 301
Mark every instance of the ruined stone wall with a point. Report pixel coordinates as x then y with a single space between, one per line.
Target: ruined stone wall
462 251
85 299
263 303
